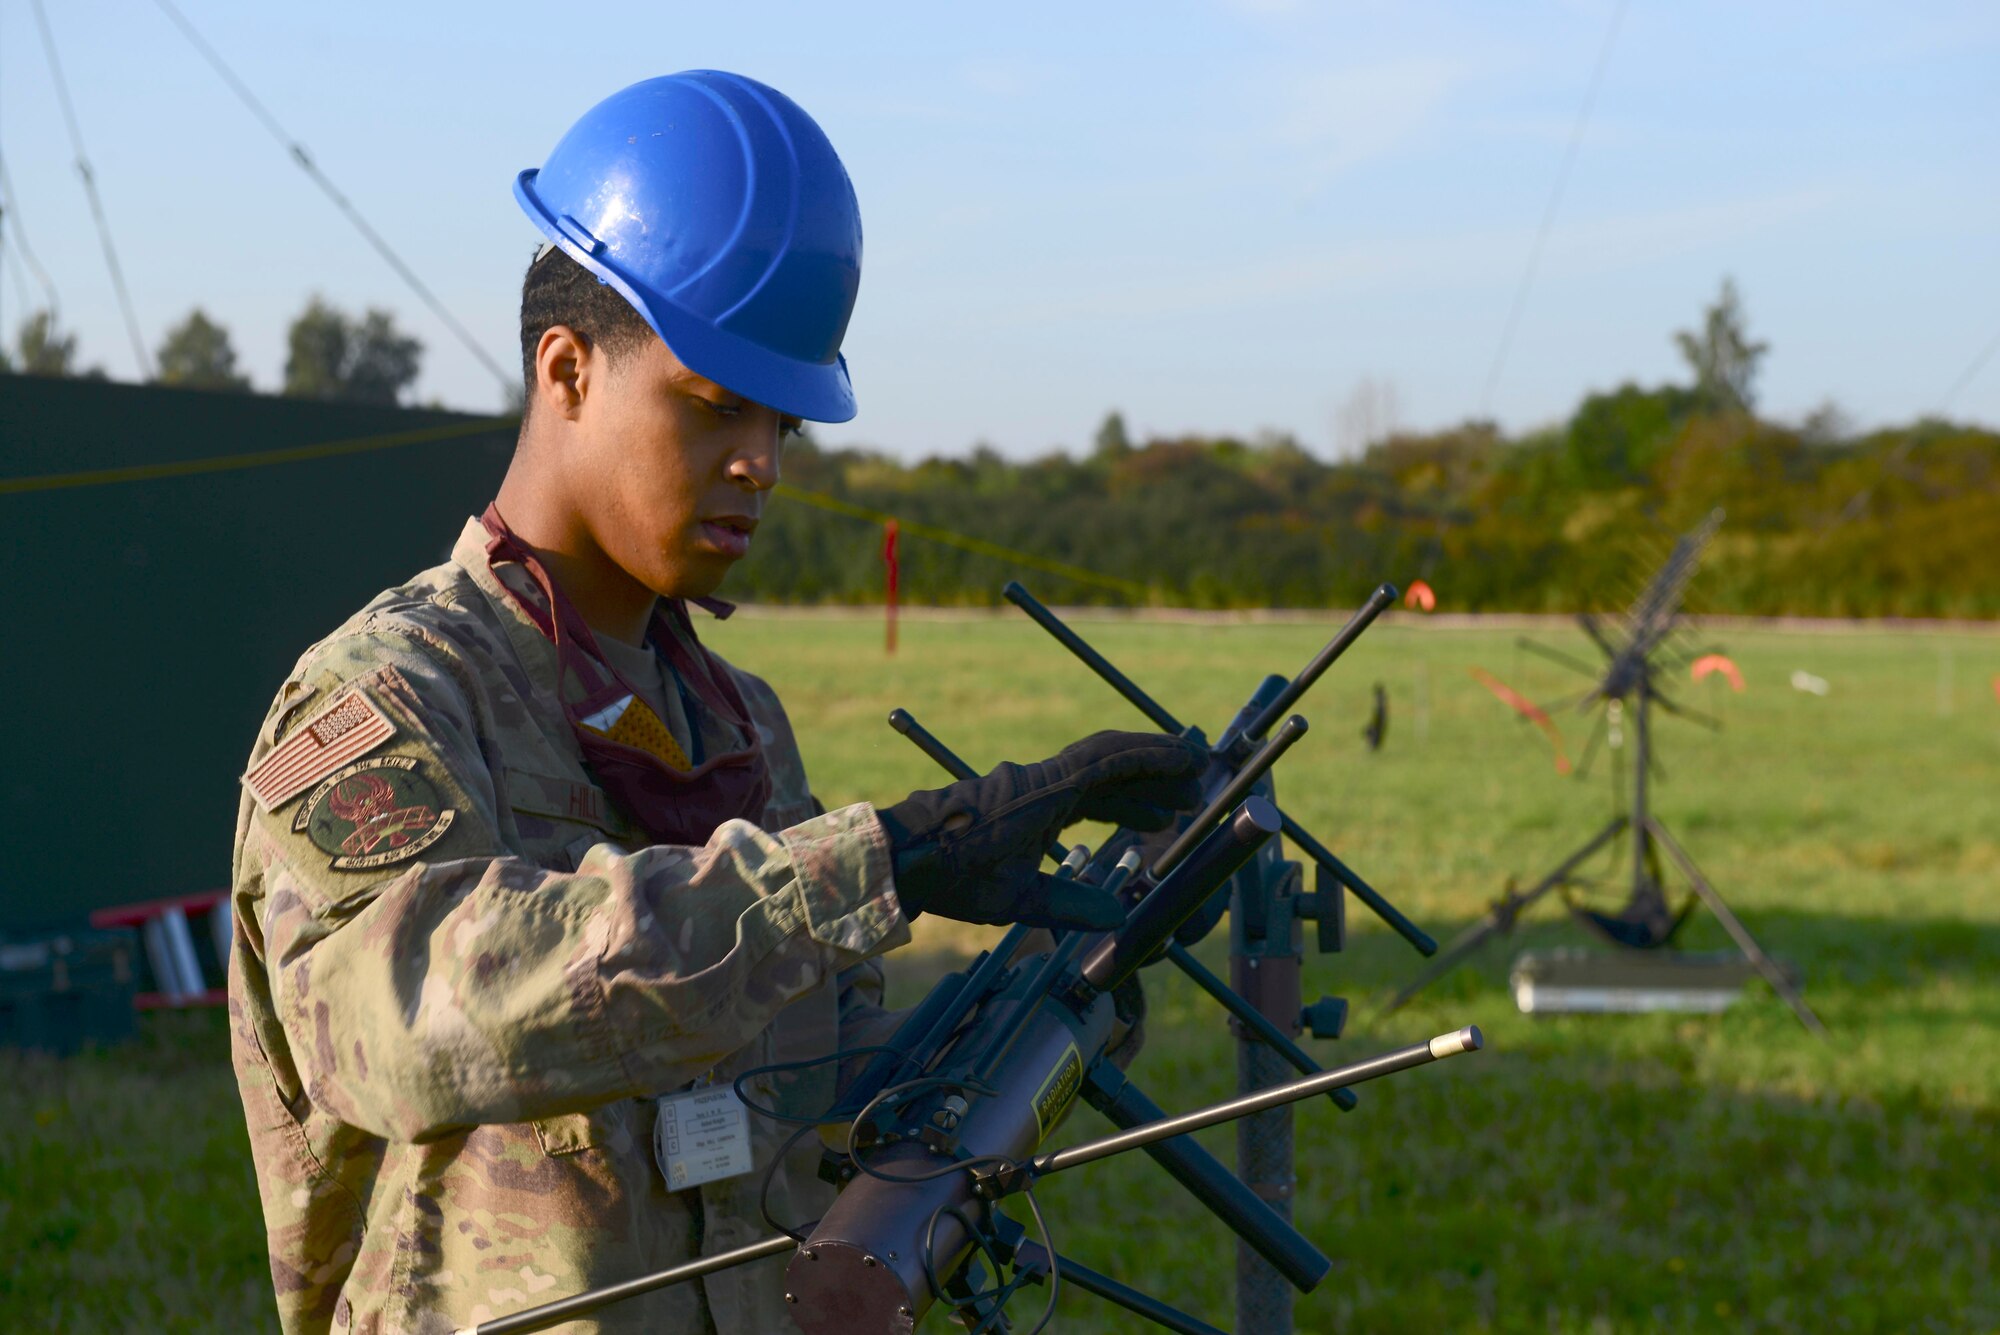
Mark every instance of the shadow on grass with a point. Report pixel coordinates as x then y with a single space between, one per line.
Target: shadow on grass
1838 954
1607 1172
1525 1191
1583 1173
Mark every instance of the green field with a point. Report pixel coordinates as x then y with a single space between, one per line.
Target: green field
1581 1174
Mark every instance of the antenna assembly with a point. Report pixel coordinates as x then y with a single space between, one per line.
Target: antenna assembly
947 1122
1636 653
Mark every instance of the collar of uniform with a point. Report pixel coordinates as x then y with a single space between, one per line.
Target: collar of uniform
532 647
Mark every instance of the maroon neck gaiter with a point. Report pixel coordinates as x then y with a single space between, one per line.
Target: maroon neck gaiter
673 806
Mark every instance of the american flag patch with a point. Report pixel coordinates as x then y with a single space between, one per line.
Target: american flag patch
348 728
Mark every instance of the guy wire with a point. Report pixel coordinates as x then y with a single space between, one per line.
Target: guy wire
83 170
1970 374
508 382
10 213
1549 209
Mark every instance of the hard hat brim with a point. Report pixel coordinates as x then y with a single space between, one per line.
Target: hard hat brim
814 391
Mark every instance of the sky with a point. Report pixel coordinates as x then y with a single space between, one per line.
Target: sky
1214 216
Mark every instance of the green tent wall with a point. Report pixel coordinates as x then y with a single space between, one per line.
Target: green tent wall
147 624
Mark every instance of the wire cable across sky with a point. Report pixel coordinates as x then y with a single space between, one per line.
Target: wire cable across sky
22 252
1968 375
139 354
1549 210
509 383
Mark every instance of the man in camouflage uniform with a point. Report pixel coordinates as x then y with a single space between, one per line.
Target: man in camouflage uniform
517 860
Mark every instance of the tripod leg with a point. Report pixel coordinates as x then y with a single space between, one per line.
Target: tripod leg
1737 931
1590 746
1501 919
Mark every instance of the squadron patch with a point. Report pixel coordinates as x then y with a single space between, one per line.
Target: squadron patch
350 726
374 813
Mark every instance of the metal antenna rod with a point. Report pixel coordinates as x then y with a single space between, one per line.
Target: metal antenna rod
902 721
1093 660
565 1309
1569 661
1233 792
1249 1015
1362 891
1052 967
1364 617
1254 1020
1124 685
949 760
1467 1039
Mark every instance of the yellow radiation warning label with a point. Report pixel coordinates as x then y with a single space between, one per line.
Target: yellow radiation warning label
1057 1091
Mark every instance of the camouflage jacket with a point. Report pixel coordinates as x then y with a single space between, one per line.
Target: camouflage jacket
458 981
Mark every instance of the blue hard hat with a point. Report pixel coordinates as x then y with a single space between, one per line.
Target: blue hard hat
717 207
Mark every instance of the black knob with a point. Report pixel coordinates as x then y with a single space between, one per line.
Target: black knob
1326 906
1326 1017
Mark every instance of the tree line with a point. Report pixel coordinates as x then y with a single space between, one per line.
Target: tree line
329 354
1820 519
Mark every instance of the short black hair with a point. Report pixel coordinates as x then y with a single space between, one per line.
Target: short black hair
559 291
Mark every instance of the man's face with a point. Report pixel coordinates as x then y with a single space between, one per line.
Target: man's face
674 470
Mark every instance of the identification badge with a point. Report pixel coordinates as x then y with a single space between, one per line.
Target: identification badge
703 1135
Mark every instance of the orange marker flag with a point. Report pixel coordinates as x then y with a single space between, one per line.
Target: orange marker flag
1528 710
1419 596
1708 663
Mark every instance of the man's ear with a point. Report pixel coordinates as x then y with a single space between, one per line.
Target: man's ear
564 367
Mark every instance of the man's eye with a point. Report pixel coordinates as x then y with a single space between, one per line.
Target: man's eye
721 409
789 429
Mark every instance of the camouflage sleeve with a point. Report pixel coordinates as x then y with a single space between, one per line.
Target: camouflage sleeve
469 986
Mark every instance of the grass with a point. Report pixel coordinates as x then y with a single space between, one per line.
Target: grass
1582 1174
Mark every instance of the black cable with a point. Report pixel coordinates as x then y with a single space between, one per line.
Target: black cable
981 1240
797 1233
90 192
1055 1262
805 1064
804 1125
1001 1295
509 383
894 1093
905 1090
998 1295
1549 210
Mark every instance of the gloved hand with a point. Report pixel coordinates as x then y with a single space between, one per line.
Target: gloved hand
972 851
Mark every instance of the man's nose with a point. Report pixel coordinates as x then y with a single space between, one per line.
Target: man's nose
755 463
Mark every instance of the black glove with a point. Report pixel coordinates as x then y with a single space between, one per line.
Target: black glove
972 851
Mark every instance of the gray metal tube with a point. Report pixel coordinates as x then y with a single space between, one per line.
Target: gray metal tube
1467 1039
568 1309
